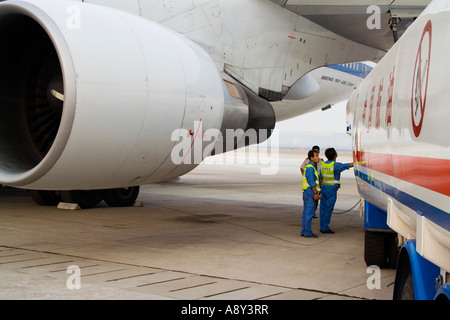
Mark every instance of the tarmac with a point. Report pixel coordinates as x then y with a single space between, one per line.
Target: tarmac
225 231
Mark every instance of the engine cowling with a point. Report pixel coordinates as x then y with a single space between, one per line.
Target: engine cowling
248 119
90 96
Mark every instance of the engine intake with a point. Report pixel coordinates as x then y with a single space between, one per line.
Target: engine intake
30 114
93 105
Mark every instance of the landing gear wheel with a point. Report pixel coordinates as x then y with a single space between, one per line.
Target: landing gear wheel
85 199
45 197
121 197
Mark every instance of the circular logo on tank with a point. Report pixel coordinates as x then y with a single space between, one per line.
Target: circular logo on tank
420 80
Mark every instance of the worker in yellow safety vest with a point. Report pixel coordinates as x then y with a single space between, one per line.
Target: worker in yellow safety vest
331 173
311 193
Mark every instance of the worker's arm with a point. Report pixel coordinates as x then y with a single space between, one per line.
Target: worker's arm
303 165
316 194
311 178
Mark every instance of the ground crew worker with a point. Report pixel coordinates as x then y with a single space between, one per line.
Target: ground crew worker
306 161
331 174
311 193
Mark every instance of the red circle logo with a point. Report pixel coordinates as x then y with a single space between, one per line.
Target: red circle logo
420 80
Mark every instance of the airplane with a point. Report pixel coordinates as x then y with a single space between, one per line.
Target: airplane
398 118
92 91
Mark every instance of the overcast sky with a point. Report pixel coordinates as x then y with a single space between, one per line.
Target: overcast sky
331 120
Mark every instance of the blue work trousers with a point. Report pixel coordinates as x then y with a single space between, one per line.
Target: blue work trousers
309 209
329 196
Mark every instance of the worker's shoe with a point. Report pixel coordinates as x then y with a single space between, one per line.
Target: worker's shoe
327 231
309 235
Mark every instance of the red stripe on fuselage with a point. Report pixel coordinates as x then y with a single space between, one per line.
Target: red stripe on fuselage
433 174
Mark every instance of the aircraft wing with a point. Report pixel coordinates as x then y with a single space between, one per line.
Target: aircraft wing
348 18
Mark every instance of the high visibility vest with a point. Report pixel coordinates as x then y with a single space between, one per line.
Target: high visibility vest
328 174
305 184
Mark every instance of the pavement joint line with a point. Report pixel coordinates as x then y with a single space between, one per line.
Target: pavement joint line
102 272
191 287
45 264
130 277
224 292
189 273
22 260
158 282
12 255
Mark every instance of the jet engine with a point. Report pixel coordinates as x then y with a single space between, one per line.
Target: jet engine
90 97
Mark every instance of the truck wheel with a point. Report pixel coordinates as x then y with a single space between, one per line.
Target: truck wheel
394 250
407 291
375 248
404 285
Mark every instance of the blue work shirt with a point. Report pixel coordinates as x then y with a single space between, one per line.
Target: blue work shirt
311 178
338 168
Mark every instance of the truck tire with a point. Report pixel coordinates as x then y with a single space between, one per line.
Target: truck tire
404 285
375 248
407 289
394 250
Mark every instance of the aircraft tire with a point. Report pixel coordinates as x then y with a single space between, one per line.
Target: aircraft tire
121 197
84 198
45 197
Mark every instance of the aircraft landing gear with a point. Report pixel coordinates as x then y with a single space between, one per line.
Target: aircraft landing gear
85 199
122 197
45 197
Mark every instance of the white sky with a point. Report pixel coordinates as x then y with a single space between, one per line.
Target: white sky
331 120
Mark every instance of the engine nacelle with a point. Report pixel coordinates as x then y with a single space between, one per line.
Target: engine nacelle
248 119
90 96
